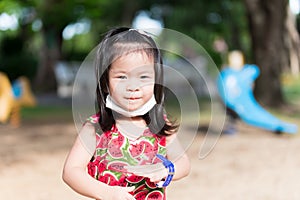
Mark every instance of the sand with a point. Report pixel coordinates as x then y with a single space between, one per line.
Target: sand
251 164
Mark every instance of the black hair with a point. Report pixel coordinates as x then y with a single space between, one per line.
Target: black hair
118 42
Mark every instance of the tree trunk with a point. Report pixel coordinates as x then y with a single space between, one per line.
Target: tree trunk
267 24
130 7
49 55
293 44
54 15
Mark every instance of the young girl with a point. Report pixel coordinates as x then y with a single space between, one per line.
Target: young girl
135 152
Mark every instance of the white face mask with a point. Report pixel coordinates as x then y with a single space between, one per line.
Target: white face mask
110 103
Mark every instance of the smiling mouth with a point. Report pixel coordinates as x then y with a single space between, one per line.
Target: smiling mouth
133 98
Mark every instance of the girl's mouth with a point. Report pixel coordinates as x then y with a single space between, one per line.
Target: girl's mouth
133 98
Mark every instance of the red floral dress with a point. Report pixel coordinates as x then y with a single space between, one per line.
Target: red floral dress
114 151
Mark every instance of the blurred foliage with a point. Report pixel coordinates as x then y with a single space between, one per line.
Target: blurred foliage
291 88
44 113
204 20
15 60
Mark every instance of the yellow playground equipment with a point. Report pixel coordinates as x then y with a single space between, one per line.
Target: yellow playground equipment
13 97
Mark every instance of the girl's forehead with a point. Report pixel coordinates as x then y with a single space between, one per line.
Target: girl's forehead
134 60
140 54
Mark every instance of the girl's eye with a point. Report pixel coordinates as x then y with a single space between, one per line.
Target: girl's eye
121 77
144 77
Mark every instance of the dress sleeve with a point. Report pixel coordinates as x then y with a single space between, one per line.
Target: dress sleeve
94 120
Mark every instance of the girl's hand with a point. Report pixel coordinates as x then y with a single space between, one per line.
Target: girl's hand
119 193
155 172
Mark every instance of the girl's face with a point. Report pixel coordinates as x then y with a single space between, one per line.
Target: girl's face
131 80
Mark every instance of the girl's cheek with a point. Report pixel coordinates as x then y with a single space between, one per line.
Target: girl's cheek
117 85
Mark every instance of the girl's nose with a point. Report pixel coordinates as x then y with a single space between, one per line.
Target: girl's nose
133 85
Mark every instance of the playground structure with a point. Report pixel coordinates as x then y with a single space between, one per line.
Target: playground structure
235 86
13 97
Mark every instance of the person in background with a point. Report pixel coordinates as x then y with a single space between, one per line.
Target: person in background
235 64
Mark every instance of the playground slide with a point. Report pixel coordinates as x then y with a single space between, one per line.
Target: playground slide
13 97
6 98
236 90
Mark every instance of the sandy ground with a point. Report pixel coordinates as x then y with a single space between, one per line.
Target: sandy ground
251 164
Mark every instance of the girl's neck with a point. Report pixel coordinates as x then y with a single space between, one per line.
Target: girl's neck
131 127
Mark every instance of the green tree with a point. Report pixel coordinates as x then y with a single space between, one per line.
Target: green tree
16 56
55 15
205 21
256 27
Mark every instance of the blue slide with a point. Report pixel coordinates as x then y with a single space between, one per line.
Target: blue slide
236 90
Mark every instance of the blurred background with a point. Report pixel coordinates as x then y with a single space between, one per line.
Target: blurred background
38 36
45 41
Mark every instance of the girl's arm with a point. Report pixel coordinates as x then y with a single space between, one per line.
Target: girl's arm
75 172
177 155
